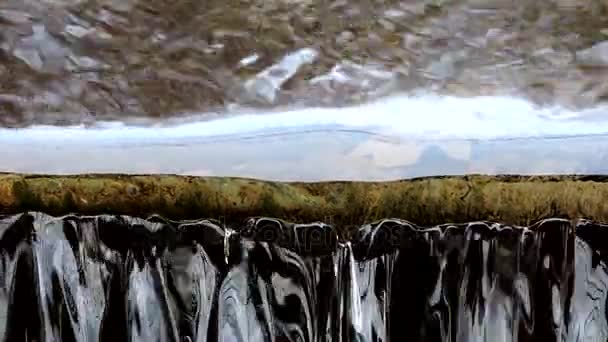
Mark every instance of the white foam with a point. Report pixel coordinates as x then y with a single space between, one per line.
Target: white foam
412 117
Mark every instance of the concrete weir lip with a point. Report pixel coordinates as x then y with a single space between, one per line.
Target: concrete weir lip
394 138
516 200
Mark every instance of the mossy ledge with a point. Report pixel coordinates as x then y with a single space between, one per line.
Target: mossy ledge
518 200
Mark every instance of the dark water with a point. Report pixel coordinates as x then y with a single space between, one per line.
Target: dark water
109 278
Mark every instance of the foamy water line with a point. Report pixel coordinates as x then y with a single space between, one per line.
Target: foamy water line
421 117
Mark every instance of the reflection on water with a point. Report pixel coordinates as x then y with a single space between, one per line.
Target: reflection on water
72 61
112 278
381 140
324 155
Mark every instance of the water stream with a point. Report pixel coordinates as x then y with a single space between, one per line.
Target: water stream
111 278
399 136
306 90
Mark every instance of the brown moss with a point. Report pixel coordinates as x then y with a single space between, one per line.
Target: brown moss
426 201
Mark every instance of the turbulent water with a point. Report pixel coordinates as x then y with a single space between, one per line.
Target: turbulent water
109 278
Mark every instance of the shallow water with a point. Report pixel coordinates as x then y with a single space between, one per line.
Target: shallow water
381 140
129 279
305 90
73 61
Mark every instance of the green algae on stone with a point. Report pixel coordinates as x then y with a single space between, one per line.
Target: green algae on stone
515 200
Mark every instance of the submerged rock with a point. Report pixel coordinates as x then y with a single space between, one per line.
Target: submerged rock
595 56
160 59
267 83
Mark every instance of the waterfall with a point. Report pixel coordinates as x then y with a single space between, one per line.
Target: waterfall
121 278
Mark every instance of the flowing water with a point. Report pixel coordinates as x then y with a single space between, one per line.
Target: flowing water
80 61
110 278
302 90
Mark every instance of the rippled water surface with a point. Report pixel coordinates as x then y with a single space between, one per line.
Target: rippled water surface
77 61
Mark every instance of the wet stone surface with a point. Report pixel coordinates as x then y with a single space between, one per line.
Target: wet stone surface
66 62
